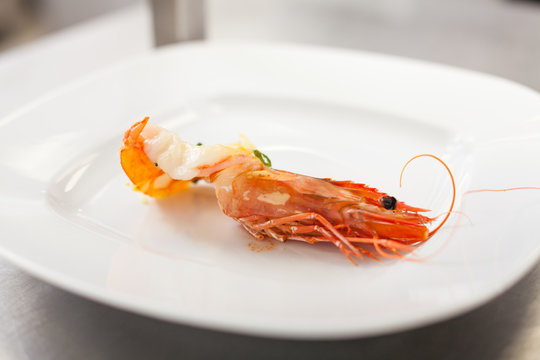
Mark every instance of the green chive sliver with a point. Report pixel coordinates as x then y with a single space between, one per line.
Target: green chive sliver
264 159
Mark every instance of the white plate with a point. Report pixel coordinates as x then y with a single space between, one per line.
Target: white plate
68 217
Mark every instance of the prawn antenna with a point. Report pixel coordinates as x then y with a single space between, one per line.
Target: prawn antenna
502 190
431 233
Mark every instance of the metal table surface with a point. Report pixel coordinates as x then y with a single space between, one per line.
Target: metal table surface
40 321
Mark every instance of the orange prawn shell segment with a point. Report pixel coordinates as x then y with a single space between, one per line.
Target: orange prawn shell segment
142 172
372 195
356 209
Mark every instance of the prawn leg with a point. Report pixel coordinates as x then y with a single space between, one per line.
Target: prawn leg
378 244
344 250
310 216
267 227
247 223
300 233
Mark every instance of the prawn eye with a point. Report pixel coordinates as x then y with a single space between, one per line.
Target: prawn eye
389 202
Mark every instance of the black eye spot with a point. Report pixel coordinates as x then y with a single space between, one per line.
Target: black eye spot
389 202
155 164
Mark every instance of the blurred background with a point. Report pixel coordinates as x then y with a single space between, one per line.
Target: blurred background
47 43
501 37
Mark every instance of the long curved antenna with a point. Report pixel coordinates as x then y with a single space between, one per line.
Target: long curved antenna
431 233
502 190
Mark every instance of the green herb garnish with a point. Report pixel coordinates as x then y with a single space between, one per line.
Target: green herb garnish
199 144
264 159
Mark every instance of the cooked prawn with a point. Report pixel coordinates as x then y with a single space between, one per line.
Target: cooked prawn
274 203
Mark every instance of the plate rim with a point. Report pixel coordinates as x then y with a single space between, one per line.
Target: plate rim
122 302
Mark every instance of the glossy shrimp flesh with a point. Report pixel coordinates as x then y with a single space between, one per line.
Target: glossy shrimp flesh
357 219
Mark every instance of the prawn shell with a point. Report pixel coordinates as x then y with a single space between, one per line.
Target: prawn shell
271 193
142 172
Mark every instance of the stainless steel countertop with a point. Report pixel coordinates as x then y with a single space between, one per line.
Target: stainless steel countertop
40 321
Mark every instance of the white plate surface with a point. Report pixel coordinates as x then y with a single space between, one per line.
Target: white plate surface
68 217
